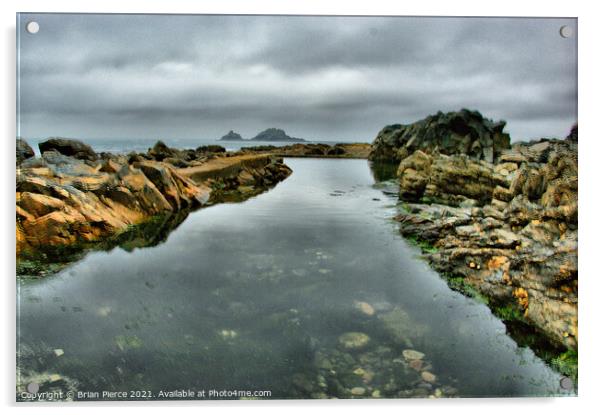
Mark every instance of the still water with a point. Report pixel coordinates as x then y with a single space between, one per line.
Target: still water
305 291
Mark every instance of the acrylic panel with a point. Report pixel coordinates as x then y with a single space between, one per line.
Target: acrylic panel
295 207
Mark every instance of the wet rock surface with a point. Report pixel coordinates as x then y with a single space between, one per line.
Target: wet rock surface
505 230
72 196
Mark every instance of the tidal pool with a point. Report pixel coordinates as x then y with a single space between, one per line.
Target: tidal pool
305 291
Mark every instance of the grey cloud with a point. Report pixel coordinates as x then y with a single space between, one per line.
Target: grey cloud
340 78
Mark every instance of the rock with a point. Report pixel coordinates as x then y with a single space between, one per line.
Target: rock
231 136
69 147
38 204
125 343
410 354
161 151
518 244
573 135
416 364
65 201
354 340
428 377
376 393
463 132
228 334
365 308
211 149
358 391
23 150
449 180
401 327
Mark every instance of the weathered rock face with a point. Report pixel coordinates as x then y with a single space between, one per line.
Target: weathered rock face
509 229
24 151
64 201
463 132
69 147
452 180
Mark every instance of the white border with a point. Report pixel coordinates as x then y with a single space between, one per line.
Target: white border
589 178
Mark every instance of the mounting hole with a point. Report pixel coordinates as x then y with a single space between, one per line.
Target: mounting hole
566 383
566 31
32 27
33 388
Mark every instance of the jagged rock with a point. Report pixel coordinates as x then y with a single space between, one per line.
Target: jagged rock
62 200
24 151
462 132
508 229
69 147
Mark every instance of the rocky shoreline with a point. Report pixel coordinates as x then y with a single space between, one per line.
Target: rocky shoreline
339 150
72 197
498 221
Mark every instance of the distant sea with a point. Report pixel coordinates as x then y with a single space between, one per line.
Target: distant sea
126 145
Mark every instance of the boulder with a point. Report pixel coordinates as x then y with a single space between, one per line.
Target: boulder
24 151
463 132
210 149
69 147
161 151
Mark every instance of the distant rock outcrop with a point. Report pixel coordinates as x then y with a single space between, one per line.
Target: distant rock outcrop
69 147
463 132
232 136
24 150
274 134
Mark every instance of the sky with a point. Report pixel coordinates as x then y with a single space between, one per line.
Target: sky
316 77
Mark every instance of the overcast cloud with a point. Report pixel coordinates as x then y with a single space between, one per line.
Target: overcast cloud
327 78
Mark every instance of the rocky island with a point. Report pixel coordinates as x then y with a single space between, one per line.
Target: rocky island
498 221
232 136
274 134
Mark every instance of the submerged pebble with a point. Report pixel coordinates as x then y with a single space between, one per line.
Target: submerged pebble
410 354
365 308
428 377
358 391
354 340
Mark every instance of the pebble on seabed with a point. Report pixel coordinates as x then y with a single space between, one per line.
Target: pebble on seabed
358 391
410 354
428 377
365 308
354 340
